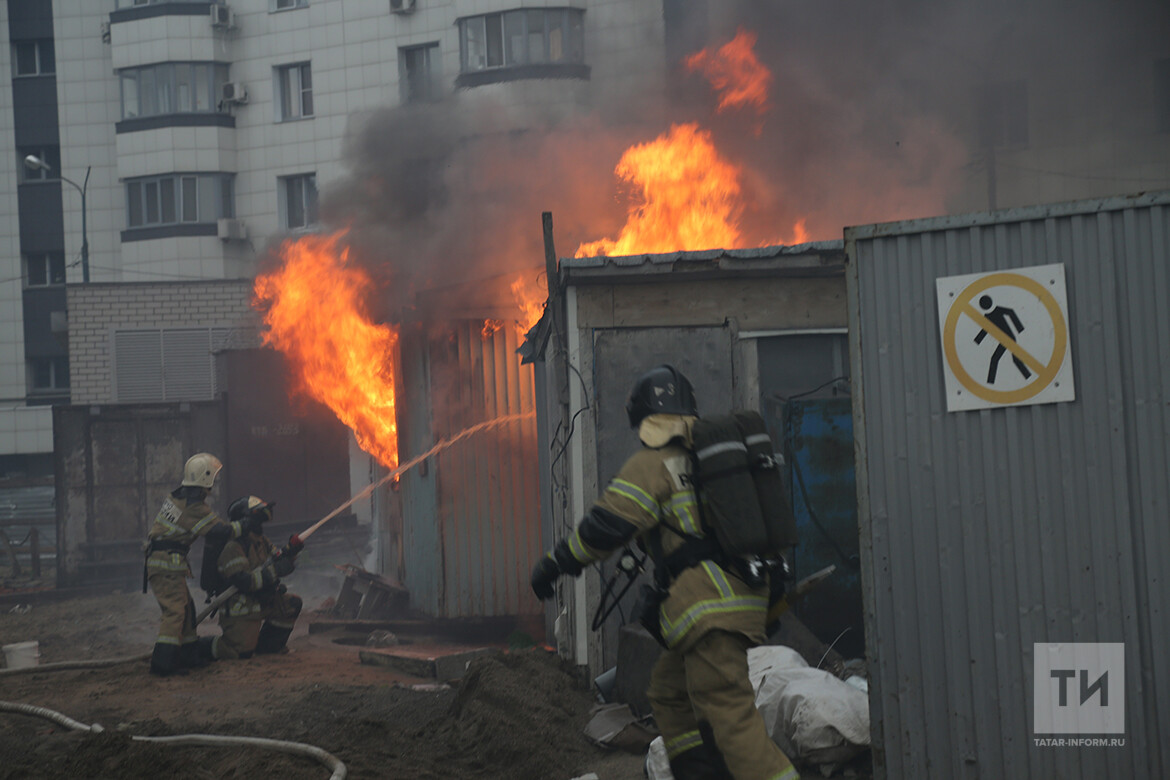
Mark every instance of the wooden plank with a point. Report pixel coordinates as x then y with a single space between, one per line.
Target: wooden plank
757 304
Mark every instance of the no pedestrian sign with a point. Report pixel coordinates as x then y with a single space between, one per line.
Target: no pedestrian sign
1005 338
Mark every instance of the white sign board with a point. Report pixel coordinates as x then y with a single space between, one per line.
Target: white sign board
1005 338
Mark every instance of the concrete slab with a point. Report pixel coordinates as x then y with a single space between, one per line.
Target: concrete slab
434 661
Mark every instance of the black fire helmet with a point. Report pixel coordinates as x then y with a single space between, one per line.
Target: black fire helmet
661 390
251 506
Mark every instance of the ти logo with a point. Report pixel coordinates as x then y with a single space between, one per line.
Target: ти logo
1079 688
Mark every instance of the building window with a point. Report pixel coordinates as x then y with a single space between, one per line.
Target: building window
44 269
285 5
166 364
418 69
172 88
1162 95
33 58
294 91
522 37
298 200
1002 114
48 375
179 198
49 154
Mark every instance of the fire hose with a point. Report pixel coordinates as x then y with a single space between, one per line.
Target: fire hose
297 540
331 761
297 748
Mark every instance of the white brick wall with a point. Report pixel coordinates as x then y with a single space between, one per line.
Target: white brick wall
97 310
353 47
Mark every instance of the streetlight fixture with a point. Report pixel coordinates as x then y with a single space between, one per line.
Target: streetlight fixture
35 163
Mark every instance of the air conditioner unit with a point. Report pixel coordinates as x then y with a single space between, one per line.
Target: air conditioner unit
105 28
401 6
234 92
231 229
222 16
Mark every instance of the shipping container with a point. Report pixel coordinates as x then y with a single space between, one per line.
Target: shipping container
1013 508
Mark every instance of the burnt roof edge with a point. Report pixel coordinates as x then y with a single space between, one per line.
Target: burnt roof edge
818 258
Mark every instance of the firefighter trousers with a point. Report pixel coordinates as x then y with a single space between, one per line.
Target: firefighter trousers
265 631
705 708
177 626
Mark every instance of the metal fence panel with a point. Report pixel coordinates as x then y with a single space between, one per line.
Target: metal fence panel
986 531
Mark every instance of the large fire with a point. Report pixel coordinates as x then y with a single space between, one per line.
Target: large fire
314 307
735 72
689 196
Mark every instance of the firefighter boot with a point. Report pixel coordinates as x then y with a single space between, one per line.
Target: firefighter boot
702 762
205 646
699 764
190 657
272 639
165 660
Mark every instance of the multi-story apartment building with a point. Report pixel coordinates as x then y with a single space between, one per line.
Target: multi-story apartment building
196 132
179 138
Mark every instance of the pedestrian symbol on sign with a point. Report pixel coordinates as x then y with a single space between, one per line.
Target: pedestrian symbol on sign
983 317
1002 317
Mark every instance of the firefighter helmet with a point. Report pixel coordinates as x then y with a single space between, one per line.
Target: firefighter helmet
661 390
250 506
201 470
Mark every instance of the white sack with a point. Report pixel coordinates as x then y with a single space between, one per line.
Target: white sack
812 715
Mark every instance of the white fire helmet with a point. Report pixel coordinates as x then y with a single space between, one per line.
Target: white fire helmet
201 470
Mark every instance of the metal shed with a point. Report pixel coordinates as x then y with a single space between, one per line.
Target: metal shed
749 328
988 533
464 532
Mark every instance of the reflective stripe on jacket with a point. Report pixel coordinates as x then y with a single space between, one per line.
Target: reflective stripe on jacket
248 556
653 493
182 523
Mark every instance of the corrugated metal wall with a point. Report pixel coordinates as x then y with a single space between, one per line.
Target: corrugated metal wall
475 557
984 532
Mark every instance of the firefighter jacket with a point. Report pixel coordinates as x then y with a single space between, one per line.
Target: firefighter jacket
247 564
652 494
176 527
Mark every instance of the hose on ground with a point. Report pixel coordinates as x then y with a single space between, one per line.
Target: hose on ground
59 666
295 748
332 762
53 715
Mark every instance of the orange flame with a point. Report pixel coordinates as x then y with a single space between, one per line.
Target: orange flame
490 327
315 312
799 233
689 197
530 297
734 72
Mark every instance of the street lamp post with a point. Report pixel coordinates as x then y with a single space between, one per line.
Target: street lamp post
37 164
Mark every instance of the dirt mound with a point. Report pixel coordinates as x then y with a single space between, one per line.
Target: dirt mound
514 710
515 716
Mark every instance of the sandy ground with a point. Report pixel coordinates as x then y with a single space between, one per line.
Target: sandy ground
516 714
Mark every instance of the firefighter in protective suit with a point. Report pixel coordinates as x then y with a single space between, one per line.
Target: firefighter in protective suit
710 615
260 617
183 518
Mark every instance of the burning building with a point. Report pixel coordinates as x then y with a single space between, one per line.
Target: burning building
649 129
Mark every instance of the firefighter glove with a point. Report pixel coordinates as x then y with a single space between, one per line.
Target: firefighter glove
284 565
294 546
544 574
